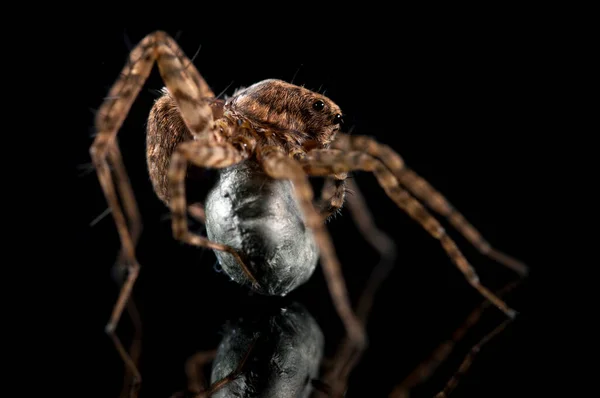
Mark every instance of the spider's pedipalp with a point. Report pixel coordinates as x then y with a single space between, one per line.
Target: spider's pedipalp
423 191
325 162
333 195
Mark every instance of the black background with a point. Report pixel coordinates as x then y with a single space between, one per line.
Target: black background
460 100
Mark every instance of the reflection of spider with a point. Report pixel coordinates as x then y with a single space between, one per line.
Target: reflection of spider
289 131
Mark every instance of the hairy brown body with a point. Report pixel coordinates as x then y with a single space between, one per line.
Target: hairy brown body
269 113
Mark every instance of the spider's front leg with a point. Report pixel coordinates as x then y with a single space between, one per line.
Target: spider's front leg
423 191
279 166
327 162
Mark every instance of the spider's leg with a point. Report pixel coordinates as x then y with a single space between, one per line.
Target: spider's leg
279 166
217 385
336 374
422 190
206 154
332 195
130 382
332 199
129 203
183 79
326 162
194 370
441 353
466 364
384 245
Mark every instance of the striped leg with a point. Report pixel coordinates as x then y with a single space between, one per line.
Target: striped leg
327 162
278 165
188 87
423 191
197 383
206 154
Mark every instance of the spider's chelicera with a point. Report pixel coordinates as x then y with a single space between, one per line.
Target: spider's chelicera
289 133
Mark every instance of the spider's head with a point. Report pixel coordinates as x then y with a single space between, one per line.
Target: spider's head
311 118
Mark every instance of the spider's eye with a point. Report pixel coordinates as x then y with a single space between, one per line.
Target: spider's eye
319 105
337 119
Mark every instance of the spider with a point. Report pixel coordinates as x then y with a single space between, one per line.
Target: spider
289 133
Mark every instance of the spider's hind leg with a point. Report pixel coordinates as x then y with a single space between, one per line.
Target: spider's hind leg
185 82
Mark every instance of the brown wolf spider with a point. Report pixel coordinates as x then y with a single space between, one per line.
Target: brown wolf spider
289 131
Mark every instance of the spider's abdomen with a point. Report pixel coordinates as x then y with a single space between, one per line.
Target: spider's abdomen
260 218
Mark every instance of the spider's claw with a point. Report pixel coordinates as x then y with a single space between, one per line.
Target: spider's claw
109 328
512 314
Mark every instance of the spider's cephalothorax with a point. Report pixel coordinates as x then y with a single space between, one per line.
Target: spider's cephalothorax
288 115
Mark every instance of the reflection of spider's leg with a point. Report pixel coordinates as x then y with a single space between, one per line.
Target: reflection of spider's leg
231 377
130 381
181 78
384 245
327 162
332 195
130 384
278 165
422 190
466 364
337 372
195 372
441 353
206 154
